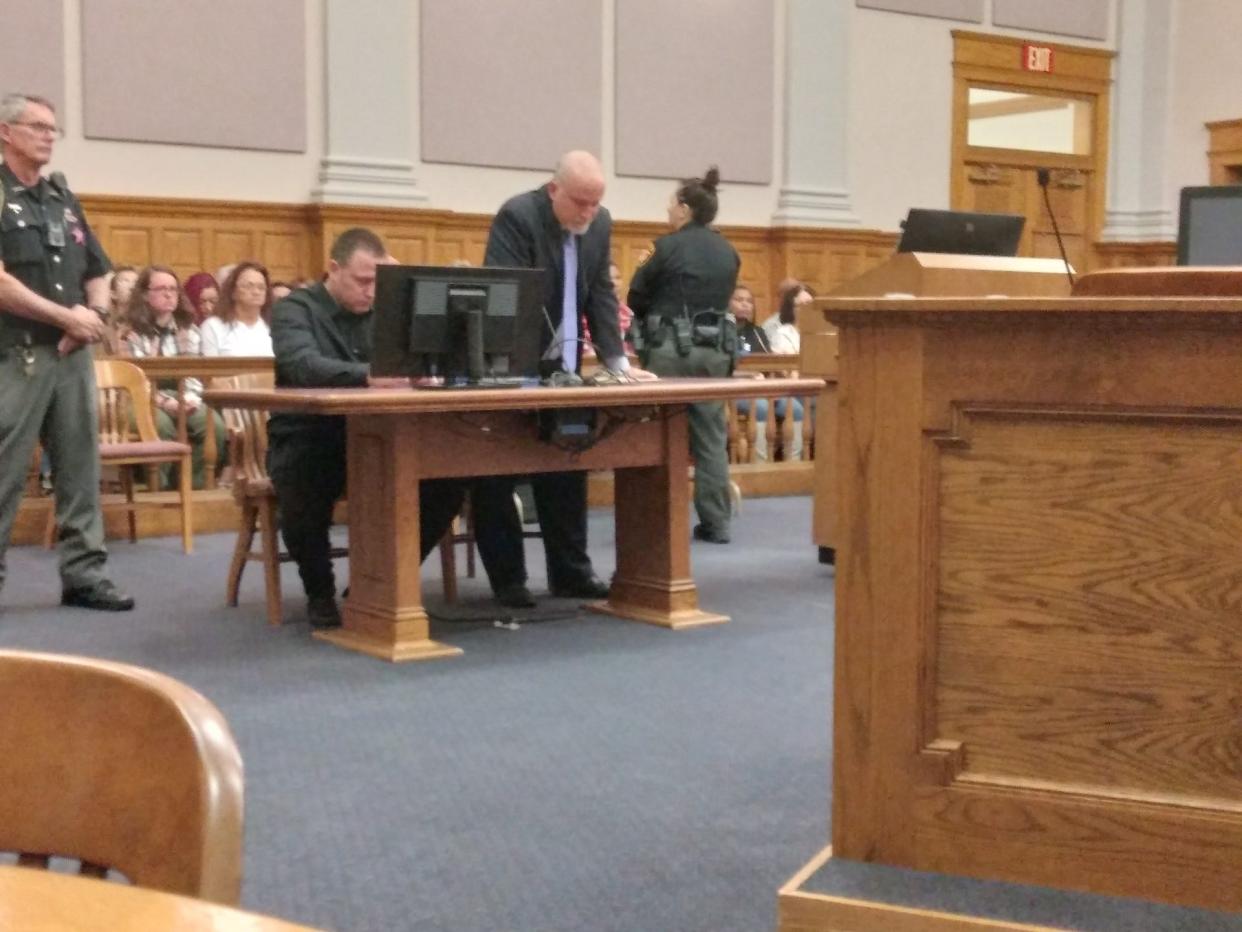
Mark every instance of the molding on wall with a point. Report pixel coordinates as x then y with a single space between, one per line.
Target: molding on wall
344 180
814 207
1138 226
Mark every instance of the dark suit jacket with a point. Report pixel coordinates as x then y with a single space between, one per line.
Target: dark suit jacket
526 234
317 344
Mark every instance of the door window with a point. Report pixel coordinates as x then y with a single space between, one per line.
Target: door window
1028 122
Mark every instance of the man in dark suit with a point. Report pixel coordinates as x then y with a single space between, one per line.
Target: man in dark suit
562 229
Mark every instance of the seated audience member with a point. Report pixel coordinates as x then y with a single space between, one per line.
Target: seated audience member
204 293
161 324
239 327
225 271
625 316
120 287
773 321
750 337
278 291
785 338
322 338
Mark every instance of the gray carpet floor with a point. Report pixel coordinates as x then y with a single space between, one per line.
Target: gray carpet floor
582 773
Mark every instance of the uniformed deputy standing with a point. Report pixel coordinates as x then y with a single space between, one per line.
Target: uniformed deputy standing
680 298
51 265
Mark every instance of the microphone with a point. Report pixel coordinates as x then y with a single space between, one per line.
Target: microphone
1043 176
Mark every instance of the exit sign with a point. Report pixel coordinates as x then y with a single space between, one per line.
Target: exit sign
1037 58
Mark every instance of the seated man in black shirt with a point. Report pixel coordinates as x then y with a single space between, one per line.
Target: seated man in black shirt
322 339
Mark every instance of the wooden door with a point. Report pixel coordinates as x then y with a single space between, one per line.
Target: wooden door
992 187
1010 125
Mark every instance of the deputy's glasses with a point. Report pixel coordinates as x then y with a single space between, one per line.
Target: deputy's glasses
43 129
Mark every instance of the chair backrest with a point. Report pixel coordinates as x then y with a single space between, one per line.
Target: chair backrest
122 769
124 402
248 428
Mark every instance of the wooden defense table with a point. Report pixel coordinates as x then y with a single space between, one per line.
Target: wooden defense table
1039 592
400 436
52 902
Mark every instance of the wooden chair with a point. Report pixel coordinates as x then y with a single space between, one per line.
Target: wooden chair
121 769
125 414
254 494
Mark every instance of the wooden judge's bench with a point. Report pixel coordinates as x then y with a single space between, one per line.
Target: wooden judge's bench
1038 534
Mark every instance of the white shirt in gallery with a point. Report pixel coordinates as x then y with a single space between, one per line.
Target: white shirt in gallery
236 338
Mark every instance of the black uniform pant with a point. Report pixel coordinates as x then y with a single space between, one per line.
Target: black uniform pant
561 503
308 475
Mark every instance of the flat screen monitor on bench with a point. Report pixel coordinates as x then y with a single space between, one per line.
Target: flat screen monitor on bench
961 232
1210 226
468 326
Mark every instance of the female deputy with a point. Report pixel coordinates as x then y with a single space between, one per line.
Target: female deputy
680 298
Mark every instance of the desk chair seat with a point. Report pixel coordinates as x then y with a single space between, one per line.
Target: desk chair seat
121 769
125 413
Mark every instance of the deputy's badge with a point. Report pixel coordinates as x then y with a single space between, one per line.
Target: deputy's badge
16 208
70 217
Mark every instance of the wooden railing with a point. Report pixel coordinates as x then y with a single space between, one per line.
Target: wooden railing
778 429
203 368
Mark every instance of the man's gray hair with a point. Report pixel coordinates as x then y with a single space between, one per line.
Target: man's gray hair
12 106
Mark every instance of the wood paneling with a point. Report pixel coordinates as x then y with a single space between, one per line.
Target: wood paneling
1224 152
1037 595
293 240
1135 255
193 235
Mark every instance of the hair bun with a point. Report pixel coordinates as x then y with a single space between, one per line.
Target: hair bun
712 178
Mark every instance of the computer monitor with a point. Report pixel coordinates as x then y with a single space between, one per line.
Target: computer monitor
956 231
468 326
1209 229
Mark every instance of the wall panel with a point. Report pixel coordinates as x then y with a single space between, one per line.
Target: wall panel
683 104
1083 19
967 11
32 50
229 73
510 83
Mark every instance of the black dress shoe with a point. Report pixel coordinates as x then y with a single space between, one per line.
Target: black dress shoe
515 596
322 613
103 596
592 587
712 536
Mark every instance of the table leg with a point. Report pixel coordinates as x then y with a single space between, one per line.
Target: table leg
653 583
384 614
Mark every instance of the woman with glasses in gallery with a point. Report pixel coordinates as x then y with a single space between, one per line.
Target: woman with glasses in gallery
162 324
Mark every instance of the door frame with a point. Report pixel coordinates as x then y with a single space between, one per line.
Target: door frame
996 62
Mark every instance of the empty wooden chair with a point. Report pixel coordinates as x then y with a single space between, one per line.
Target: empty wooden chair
121 769
128 440
253 492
